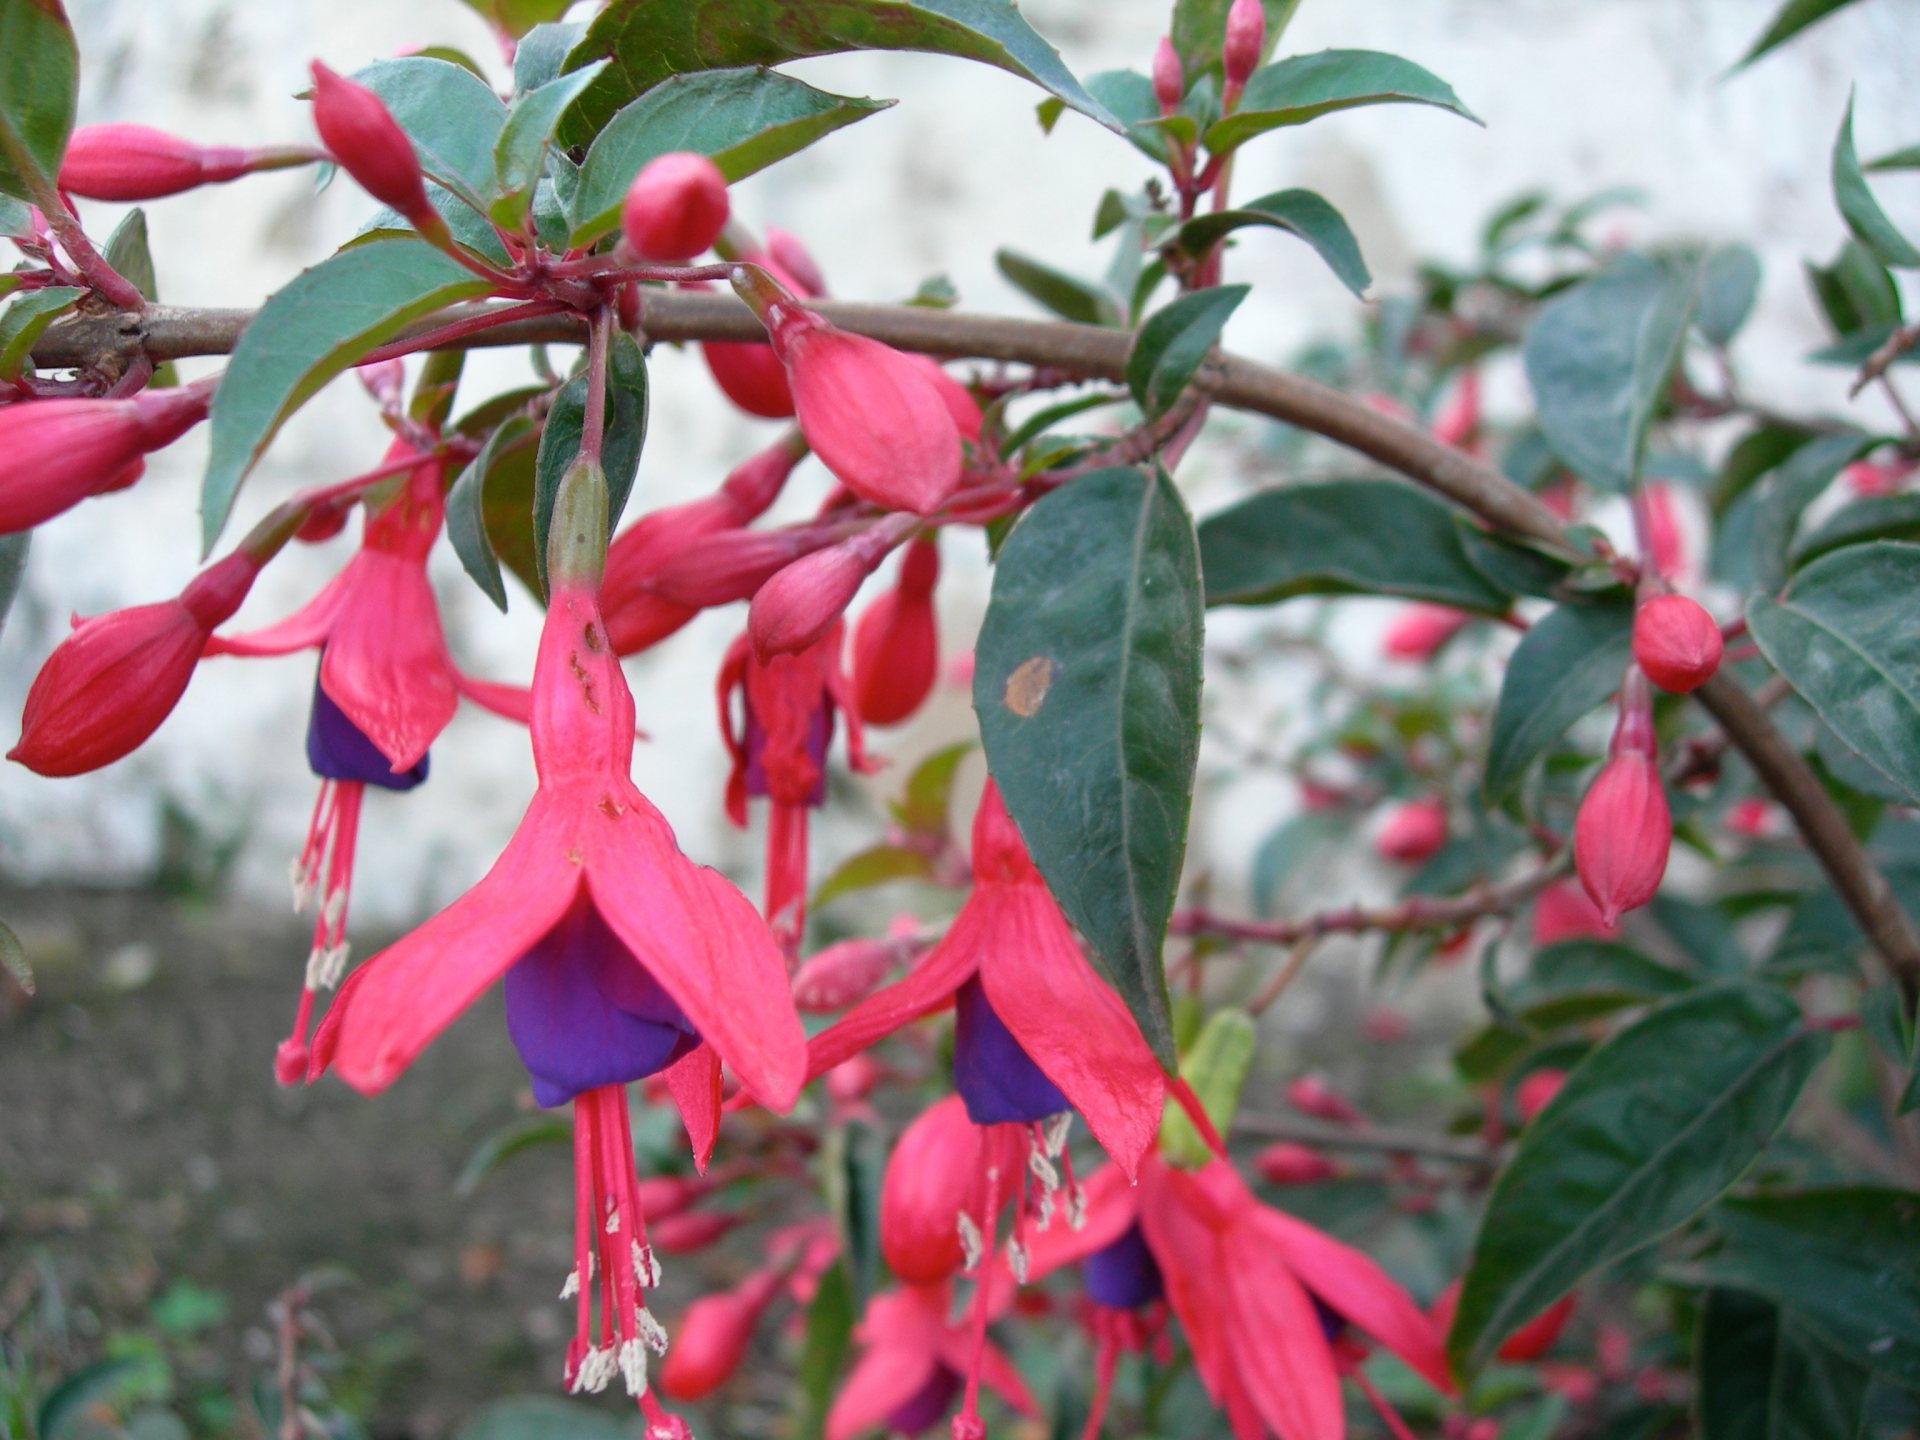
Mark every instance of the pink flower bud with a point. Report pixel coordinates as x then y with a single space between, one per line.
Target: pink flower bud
896 642
852 1081
1384 1025
659 1196
930 1181
841 974
135 162
748 372
108 685
1311 1095
1563 912
1246 36
730 566
1421 630
1666 546
1529 1342
712 1337
960 402
1459 420
1866 478
1752 818
675 208
359 131
1535 1090
1622 834
56 453
1285 1163
872 416
805 600
1169 78
691 1230
1413 832
1676 643
790 257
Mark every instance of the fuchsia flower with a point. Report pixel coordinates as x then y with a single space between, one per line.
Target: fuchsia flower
621 957
712 1336
896 641
137 162
779 750
1246 34
1413 832
675 208
913 1359
1421 630
1458 422
933 1178
747 371
1676 643
361 133
1624 830
798 603
1563 912
1660 524
56 453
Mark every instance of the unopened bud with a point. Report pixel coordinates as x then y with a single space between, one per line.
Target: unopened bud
131 163
1311 1095
841 974
1666 547
577 532
56 453
1421 630
965 410
1536 1090
1169 77
1413 832
806 599
1459 420
790 256
361 133
1245 38
930 1187
1285 1163
1676 643
1563 912
675 207
730 566
1622 834
896 642
690 1230
712 1337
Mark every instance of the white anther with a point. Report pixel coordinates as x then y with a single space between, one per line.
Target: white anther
334 907
633 1367
326 966
650 1330
1043 1212
1043 1170
1076 1208
596 1369
572 1288
613 1222
317 968
646 1269
1017 1260
302 886
973 1248
1055 1129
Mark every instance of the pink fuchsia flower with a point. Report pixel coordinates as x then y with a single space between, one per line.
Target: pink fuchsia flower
1624 831
913 1358
675 208
1754 818
108 686
1413 832
361 133
621 958
869 412
1246 35
800 602
1536 1091
1421 630
779 750
1285 1163
1458 421
1676 643
712 1337
747 371
1660 527
136 162
1169 79
896 641
56 453
933 1178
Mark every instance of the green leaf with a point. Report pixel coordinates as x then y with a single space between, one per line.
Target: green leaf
1512 565
829 1337
649 40
1087 687
495 494
1598 358
1128 96
624 436
1762 1376
323 321
1857 294
854 1159
39 78
1649 1130
542 54
1200 28
521 150
1729 284
66 1405
1305 87
1789 21
1844 638
742 120
1216 1067
130 253
1300 212
924 808
1846 1261
1342 537
517 17
1065 295
542 1417
530 1132
1784 493
1582 968
1860 210
452 116
1171 347
1567 663
1873 517
1905 158
876 865
25 318
13 955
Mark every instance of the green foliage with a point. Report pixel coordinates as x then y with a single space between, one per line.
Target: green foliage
625 435
1305 87
1174 343
39 79
1299 212
1568 662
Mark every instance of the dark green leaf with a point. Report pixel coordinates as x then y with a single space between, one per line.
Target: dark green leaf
1598 358
1215 1065
1170 348
1065 295
1200 27
13 567
452 116
39 78
1875 517
542 53
1305 87
542 1417
1860 210
1906 158
1789 21
1087 687
16 218
1857 294
1728 287
66 1405
1845 1261
855 1159
923 809
1780 498
649 40
742 120
523 142
468 226
128 251
507 456
829 1336
1300 212
876 865
1584 967
1751 457
1128 96
13 955
530 1132
1342 537
1763 1377
1844 639
1566 664
1512 565
518 17
624 437
308 332
1649 1130
25 318
1045 418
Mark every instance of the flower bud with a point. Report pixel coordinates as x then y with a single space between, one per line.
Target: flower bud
1169 80
675 208
1563 912
1867 478
748 372
1536 1090
359 132
1752 818
691 1230
852 1081
1285 1163
789 256
1529 1342
136 162
108 685
56 453
1413 832
930 1181
871 415
1311 1095
1676 643
803 601
712 1337
960 402
841 974
1246 37
896 643
730 566
1622 834
577 530
1459 420
1421 630
1666 547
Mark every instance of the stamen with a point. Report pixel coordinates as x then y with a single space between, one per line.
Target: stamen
316 968
1044 1170
1017 1260
326 967
595 1371
572 1287
1055 1128
973 1248
303 885
1076 1207
646 1269
613 1222
633 1367
650 1330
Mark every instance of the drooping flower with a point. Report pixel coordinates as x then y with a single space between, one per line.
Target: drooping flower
1676 643
913 1358
1563 912
779 749
747 371
935 1175
896 641
56 453
621 958
801 601
675 208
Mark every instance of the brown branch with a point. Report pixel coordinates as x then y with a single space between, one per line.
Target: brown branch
1326 1135
1903 339
166 332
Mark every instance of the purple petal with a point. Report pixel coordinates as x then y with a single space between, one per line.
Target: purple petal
1125 1275
997 1079
337 749
819 737
929 1404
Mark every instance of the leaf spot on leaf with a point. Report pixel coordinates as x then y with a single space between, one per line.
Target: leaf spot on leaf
1027 686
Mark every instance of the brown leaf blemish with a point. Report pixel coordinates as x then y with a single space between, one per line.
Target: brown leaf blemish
1027 686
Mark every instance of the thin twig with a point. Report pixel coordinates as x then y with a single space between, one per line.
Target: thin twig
1326 1135
1903 339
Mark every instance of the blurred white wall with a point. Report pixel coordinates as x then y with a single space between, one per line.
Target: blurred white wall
1575 97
